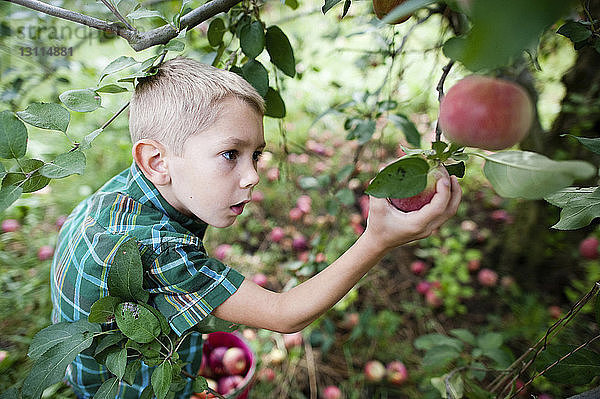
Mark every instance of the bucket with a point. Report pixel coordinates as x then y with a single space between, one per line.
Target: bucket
228 340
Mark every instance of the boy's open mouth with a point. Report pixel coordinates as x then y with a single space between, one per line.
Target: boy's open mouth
238 208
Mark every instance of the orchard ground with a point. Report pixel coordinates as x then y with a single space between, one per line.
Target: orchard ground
307 210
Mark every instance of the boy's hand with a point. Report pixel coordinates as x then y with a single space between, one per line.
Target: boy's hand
388 227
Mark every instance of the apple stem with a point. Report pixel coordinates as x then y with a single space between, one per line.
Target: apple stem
440 89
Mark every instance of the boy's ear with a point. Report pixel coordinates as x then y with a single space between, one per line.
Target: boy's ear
150 157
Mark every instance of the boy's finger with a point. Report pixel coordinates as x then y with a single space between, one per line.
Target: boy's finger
456 195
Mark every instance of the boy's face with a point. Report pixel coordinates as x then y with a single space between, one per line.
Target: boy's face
214 177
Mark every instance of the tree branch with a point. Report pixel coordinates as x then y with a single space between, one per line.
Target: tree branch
114 10
137 40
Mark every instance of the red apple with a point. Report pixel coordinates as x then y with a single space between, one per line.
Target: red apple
215 359
234 361
266 375
486 112
260 279
331 392
276 234
418 201
300 243
229 384
588 248
555 311
487 277
320 257
433 299
351 320
423 287
474 265
292 340
418 267
304 203
60 221
10 225
396 372
374 371
295 214
383 8
257 196
222 251
45 252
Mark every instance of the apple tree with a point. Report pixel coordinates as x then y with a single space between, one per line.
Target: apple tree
494 109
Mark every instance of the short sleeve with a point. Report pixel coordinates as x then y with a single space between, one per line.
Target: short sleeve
187 285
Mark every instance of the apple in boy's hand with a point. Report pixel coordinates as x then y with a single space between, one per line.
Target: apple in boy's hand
234 361
486 112
229 384
374 371
418 201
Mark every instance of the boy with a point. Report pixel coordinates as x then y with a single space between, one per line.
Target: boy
197 135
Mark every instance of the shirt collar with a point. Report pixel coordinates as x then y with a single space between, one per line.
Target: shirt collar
145 192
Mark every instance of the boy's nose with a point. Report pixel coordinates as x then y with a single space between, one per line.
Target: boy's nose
250 178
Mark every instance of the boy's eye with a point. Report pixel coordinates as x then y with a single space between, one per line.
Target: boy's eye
230 155
256 156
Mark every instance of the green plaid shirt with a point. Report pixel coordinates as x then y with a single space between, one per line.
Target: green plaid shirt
184 283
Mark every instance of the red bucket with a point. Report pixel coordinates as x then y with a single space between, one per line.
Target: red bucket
221 339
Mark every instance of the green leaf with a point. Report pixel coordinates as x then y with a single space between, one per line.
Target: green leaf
456 169
108 340
402 179
215 33
116 362
592 144
345 196
111 88
164 324
147 393
413 137
329 5
502 357
131 371
108 390
87 140
274 105
46 116
148 350
490 341
69 163
81 100
161 379
439 356
57 333
211 324
117 65
145 13
464 335
280 50
103 309
51 366
252 39
256 74
452 387
137 322
575 31
11 393
580 368
530 175
493 40
362 130
8 195
30 179
406 8
426 342
125 277
175 45
200 384
293 4
580 207
13 136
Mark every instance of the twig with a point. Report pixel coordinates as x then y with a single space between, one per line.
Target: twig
117 14
310 366
137 40
554 364
440 90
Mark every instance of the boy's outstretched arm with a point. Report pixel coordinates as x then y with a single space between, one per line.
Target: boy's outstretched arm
387 228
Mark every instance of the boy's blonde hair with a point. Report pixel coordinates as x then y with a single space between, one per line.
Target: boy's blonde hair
184 98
